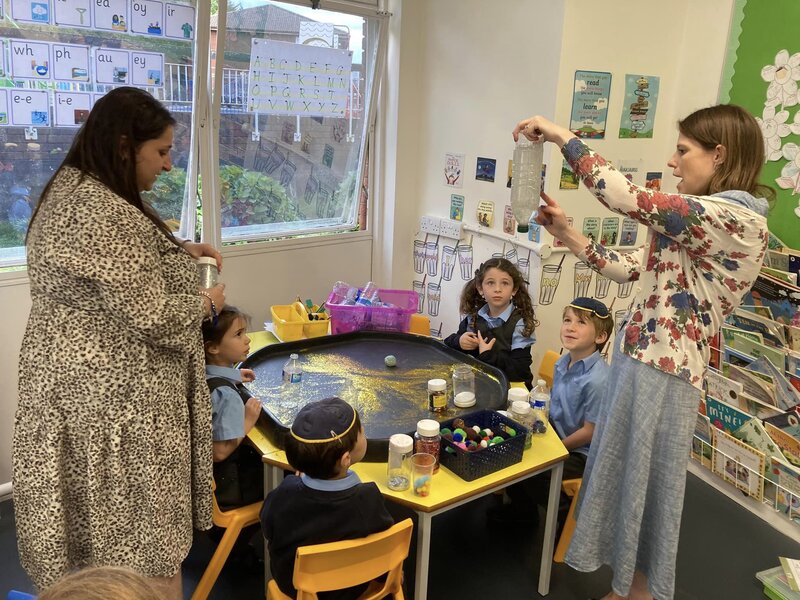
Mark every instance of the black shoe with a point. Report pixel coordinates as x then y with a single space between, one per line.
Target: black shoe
508 514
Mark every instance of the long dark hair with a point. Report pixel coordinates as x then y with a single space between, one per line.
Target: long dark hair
106 145
471 300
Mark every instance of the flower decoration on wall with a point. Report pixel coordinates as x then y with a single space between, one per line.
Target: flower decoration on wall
782 78
773 128
789 179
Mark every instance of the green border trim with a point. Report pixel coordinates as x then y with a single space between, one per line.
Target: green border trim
726 82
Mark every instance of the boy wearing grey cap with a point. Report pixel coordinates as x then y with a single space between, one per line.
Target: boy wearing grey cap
579 381
327 502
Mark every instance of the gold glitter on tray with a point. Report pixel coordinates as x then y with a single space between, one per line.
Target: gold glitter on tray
388 399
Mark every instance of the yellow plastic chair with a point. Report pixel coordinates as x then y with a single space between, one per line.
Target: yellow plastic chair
571 488
420 324
233 521
338 565
547 366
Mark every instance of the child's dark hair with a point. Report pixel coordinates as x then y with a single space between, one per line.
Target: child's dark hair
213 334
471 300
320 460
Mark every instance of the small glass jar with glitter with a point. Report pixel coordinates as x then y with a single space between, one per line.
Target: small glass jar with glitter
401 447
437 395
207 269
428 439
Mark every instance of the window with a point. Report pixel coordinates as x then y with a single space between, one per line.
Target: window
294 93
57 59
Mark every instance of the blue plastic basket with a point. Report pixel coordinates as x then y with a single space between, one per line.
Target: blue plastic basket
472 465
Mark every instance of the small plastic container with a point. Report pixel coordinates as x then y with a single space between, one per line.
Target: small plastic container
286 321
208 272
463 386
401 447
522 413
422 468
437 395
516 394
427 439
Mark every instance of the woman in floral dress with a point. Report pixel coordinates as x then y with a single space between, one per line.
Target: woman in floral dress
703 251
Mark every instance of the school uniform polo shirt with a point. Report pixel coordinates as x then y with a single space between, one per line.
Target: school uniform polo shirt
227 408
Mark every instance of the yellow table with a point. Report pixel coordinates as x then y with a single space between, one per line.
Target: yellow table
449 491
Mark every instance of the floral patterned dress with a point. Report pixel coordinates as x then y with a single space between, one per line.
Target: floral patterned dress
700 257
112 438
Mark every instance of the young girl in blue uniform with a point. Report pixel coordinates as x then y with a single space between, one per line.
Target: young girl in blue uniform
499 322
238 471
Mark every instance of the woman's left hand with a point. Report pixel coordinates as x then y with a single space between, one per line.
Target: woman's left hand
198 249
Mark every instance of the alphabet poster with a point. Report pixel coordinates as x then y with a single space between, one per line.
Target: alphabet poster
30 11
111 15
70 62
73 13
111 66
147 17
71 108
29 60
29 107
291 79
590 104
147 69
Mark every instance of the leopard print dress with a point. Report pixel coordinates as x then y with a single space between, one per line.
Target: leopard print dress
112 437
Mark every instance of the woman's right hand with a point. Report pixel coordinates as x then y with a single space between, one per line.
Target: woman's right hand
537 128
217 294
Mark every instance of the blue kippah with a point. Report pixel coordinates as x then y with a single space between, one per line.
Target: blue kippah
591 305
323 421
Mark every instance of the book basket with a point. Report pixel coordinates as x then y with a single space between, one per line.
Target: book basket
472 465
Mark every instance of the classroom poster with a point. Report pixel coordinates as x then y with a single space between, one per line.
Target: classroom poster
509 223
591 228
485 213
568 181
630 229
590 104
632 169
484 169
653 180
639 106
456 207
609 231
454 170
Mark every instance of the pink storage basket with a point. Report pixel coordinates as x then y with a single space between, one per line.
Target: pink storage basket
347 318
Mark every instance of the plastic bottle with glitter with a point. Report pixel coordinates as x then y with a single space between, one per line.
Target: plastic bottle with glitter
526 181
293 369
207 269
401 447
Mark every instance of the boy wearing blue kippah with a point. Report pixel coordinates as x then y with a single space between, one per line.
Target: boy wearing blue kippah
579 381
327 502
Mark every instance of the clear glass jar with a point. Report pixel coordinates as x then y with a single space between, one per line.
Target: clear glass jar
463 386
401 447
428 440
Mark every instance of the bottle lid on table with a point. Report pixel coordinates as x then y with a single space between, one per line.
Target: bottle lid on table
520 407
437 385
428 427
401 443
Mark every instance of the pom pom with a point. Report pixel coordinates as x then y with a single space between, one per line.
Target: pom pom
476 428
450 450
488 432
461 432
448 436
484 444
445 431
471 434
496 440
458 424
390 361
511 431
458 438
461 445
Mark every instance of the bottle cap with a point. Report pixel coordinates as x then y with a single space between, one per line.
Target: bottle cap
402 443
516 393
520 407
541 382
207 260
428 427
294 356
464 399
437 385
522 228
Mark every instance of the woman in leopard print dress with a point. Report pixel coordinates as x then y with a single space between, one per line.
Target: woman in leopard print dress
112 438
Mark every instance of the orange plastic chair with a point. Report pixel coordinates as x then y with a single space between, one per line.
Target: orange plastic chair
571 488
547 366
233 521
338 565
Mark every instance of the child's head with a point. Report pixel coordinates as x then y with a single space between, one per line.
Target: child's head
325 439
101 583
498 282
226 343
586 326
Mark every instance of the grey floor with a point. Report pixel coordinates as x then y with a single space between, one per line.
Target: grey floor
722 546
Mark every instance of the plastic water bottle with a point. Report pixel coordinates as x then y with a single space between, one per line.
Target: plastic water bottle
344 293
540 402
526 180
293 369
369 295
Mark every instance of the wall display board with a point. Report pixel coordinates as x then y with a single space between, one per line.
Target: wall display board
762 71
71 108
70 62
29 60
29 107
